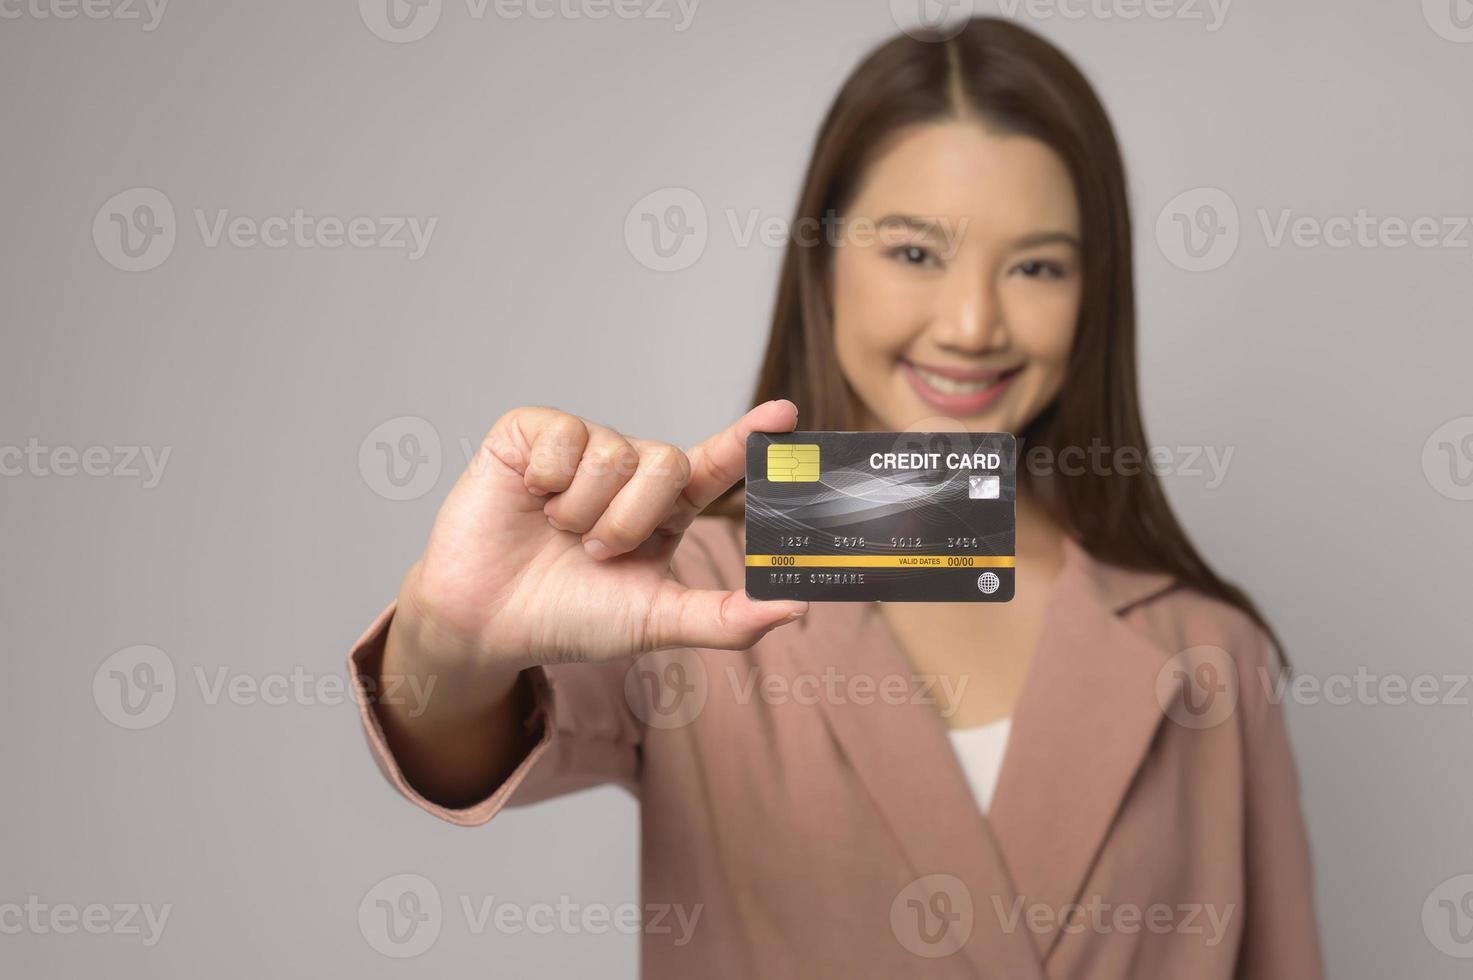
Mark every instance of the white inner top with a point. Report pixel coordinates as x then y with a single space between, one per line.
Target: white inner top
980 751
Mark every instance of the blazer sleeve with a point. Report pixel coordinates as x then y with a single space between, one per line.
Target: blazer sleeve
1281 935
586 734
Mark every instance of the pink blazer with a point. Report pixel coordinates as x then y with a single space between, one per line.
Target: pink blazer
803 800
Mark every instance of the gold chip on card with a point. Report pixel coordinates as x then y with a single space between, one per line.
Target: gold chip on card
792 463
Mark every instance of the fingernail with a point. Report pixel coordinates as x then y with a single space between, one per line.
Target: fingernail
556 524
795 615
596 549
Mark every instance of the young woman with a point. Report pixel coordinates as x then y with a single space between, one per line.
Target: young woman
835 800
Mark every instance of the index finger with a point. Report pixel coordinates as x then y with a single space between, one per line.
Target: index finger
721 460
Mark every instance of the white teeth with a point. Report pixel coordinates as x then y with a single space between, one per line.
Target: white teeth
950 386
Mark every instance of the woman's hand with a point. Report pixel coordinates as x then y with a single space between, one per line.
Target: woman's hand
554 546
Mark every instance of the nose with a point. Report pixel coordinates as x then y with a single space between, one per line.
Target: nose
968 314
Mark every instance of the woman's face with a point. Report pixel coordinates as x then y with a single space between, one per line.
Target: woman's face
956 281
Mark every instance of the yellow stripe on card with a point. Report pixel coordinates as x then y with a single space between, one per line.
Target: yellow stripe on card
882 561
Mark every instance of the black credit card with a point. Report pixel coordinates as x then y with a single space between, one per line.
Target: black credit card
889 516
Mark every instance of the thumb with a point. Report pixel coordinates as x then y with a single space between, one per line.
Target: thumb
715 619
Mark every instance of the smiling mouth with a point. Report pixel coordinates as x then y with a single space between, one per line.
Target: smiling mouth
961 383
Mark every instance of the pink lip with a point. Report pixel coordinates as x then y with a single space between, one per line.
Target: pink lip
960 404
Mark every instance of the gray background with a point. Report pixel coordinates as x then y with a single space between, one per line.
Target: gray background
266 547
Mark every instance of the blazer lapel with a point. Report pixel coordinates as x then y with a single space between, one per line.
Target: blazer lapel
902 755
1083 723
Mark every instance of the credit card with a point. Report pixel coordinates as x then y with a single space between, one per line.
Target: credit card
888 516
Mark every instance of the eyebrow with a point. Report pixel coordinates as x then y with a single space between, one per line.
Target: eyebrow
912 221
1046 238
946 225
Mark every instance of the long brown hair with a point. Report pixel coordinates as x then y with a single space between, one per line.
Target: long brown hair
1015 82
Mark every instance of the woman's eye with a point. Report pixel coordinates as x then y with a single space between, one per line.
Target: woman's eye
914 255
1040 269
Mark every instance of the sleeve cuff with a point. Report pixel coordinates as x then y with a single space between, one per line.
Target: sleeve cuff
363 670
